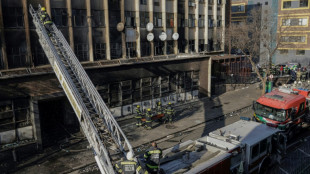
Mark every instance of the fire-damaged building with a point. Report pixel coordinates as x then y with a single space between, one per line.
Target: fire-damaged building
136 52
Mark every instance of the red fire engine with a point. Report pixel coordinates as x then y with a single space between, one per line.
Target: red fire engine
282 108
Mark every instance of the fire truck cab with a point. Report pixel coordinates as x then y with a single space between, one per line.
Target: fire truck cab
241 147
282 108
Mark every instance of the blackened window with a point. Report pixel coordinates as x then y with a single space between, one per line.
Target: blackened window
131 49
181 20
81 51
191 44
201 45
60 17
156 2
144 18
157 19
143 2
100 51
130 18
98 18
13 17
170 47
16 56
170 20
79 17
115 50
145 48
158 48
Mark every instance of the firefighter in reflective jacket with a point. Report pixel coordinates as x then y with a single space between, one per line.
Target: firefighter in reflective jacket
152 157
169 111
138 116
129 166
148 117
159 109
45 18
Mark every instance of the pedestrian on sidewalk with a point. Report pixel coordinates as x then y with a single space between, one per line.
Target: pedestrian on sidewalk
281 70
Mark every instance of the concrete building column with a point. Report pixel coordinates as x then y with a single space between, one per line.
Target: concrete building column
175 25
35 119
2 40
138 43
47 7
29 61
186 36
223 24
206 24
164 23
215 39
107 29
90 31
151 15
196 26
209 77
122 8
70 24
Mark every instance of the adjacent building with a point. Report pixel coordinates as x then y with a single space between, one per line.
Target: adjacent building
292 19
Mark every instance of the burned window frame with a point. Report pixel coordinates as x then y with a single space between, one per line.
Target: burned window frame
81 15
98 18
144 18
60 17
14 14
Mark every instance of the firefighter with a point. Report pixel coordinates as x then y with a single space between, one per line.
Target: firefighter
138 116
47 22
152 157
159 109
129 166
169 111
148 117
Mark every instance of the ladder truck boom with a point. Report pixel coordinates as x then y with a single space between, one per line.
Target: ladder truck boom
98 124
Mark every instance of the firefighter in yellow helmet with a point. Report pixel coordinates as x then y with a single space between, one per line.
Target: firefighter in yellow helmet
138 116
159 109
169 113
46 20
148 117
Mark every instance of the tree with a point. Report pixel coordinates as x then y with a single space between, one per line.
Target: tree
258 38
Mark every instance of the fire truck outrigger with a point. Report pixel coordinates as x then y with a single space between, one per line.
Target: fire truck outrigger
282 108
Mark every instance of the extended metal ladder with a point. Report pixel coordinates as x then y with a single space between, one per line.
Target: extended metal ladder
96 120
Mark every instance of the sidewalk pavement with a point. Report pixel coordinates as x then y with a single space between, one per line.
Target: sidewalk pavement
192 114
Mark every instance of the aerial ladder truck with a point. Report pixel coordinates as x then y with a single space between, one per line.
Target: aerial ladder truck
98 124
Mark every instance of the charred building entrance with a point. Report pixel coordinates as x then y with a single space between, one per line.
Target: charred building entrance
57 120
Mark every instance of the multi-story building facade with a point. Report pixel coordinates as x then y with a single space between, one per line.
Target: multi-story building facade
109 37
291 19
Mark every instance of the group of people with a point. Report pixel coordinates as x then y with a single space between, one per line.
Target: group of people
151 160
165 114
